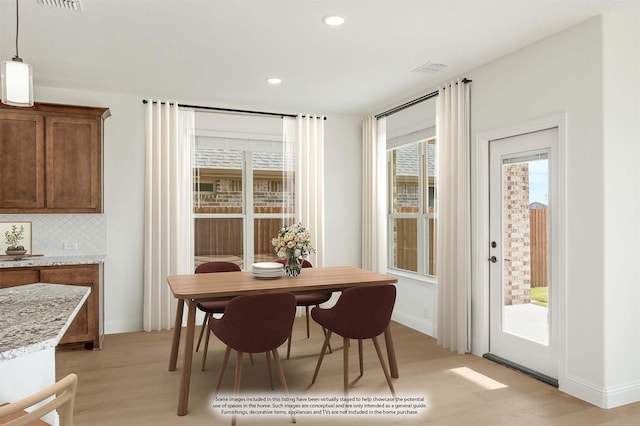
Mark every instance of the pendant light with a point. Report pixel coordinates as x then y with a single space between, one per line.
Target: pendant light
16 78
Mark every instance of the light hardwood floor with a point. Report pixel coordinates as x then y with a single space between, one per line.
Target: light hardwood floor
127 383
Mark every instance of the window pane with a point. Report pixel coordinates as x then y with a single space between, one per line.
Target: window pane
264 231
405 189
273 184
217 180
432 161
431 236
218 239
405 244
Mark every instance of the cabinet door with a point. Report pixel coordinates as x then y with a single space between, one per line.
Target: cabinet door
85 327
74 164
21 161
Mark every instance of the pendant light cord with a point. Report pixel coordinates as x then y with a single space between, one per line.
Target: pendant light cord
17 29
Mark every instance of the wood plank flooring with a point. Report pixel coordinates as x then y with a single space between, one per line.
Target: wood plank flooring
127 383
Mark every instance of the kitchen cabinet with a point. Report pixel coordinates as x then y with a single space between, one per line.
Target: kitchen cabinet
87 327
51 159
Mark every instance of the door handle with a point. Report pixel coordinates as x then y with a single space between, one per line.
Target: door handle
493 259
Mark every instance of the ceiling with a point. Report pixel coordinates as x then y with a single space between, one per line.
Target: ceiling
219 52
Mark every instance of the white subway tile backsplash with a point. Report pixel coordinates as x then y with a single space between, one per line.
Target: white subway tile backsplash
50 232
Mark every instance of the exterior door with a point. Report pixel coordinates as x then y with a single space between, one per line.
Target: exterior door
523 241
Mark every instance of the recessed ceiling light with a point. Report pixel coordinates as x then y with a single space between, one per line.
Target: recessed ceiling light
333 20
274 80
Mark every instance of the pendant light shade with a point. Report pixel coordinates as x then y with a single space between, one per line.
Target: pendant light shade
17 83
16 79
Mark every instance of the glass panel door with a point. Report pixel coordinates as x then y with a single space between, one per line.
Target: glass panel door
525 191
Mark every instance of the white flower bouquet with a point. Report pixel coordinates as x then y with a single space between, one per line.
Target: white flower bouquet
294 244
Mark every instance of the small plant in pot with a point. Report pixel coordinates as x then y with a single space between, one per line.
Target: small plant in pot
13 238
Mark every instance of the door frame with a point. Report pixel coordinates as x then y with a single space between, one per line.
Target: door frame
480 231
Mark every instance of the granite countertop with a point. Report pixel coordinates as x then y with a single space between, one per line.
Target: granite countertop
52 261
36 316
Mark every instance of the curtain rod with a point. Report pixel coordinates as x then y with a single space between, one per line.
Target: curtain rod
414 101
240 111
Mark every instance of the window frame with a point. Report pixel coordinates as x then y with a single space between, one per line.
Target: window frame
248 215
422 217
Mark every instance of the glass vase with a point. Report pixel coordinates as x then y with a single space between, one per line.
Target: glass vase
293 266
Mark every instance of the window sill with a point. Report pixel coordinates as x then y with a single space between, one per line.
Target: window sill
430 281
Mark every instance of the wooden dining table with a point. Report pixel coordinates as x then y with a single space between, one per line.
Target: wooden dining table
190 289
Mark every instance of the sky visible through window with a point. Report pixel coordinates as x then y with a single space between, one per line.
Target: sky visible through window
539 181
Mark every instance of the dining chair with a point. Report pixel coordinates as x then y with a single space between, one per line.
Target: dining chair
360 313
307 300
64 393
213 307
252 324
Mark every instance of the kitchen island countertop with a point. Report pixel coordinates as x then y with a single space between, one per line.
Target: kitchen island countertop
36 316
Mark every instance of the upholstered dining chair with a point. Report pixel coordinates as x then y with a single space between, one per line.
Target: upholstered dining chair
64 393
360 313
213 307
252 324
307 300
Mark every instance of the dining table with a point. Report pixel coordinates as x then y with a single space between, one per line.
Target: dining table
191 289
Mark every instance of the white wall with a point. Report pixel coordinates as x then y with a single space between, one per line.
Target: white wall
564 74
559 74
591 73
621 158
343 190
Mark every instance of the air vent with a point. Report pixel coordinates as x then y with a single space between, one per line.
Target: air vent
430 68
62 4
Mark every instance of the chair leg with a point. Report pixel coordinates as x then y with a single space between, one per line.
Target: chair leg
224 365
204 325
283 381
206 348
251 358
289 345
324 349
306 310
324 331
269 368
360 355
236 386
384 366
345 367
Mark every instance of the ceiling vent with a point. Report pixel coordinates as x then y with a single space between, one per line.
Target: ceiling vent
62 4
430 68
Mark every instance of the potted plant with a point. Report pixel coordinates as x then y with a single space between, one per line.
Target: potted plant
13 238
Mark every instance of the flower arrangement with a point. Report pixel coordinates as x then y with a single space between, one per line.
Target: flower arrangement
294 244
13 237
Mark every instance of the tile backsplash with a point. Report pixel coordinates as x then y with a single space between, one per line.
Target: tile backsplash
50 232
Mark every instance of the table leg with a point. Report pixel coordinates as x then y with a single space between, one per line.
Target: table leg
391 353
175 344
183 398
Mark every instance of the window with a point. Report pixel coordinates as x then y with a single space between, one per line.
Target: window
412 207
243 194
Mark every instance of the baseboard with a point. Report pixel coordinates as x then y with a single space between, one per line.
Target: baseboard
603 397
414 322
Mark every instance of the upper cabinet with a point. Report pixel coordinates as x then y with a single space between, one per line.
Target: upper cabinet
51 159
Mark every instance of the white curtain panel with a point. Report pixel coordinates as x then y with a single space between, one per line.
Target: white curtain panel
374 194
453 263
167 237
289 152
310 181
